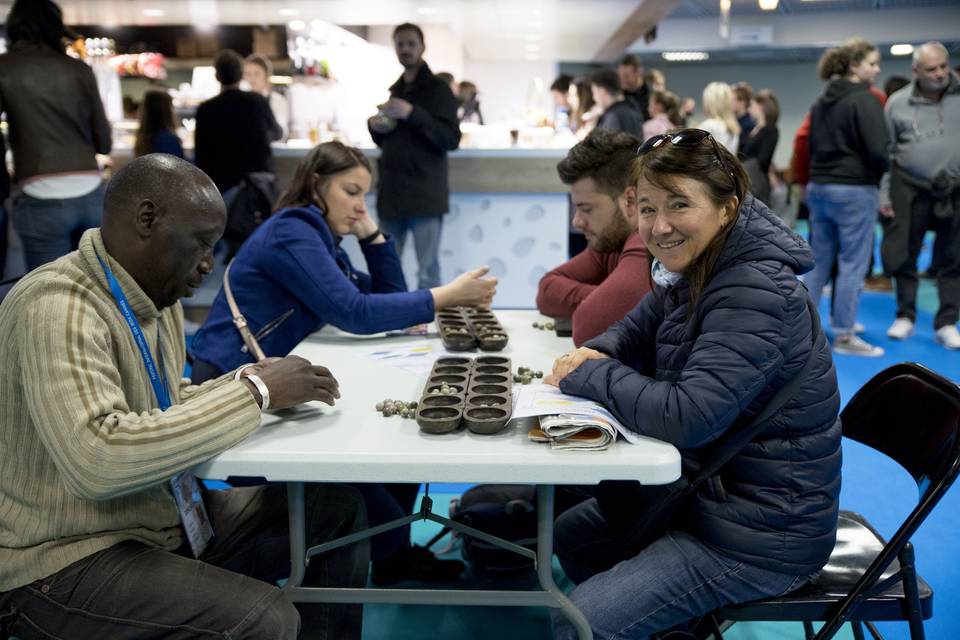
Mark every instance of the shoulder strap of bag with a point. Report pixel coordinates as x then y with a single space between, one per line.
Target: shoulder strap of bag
730 445
241 323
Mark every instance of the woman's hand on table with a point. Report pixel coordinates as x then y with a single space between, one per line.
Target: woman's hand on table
565 364
471 289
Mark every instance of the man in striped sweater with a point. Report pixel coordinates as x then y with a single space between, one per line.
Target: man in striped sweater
92 543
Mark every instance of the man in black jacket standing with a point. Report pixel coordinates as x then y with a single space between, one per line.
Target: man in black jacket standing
234 128
415 129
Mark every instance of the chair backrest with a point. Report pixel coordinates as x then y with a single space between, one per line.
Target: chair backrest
912 415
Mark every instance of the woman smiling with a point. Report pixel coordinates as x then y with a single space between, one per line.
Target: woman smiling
726 328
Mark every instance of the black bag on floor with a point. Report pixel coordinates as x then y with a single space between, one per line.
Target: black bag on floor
507 511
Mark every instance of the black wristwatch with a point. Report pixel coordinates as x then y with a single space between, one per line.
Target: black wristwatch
370 238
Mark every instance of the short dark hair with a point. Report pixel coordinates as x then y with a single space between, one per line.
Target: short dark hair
229 67
630 60
606 156
39 22
261 61
562 83
409 26
606 79
894 84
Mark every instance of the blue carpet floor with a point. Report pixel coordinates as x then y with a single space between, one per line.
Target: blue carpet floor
872 485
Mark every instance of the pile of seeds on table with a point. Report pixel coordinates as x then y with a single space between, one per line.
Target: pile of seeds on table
525 375
544 326
397 408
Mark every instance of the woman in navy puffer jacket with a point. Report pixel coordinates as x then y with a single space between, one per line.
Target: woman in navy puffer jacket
726 327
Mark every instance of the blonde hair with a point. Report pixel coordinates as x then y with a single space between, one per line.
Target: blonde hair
718 103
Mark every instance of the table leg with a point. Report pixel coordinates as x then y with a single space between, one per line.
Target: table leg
298 539
545 495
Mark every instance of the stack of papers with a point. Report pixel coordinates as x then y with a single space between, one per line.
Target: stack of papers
568 422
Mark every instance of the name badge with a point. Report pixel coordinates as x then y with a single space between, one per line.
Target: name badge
193 515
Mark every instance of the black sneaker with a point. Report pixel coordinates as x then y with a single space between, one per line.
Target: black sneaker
414 563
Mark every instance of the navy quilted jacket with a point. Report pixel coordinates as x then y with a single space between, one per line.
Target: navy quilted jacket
686 378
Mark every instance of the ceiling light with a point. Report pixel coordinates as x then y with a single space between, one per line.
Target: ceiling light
901 49
532 56
153 13
685 56
531 47
768 5
533 36
536 24
427 11
289 11
297 25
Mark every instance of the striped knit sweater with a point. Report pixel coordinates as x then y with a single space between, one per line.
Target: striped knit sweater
86 454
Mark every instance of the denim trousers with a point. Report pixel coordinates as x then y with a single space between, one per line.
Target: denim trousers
50 228
133 591
842 219
426 241
675 580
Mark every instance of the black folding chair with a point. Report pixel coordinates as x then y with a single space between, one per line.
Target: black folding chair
912 415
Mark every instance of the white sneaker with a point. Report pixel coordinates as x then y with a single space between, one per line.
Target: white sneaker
948 336
901 329
851 345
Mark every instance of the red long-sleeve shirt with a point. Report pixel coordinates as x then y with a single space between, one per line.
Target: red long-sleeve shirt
596 289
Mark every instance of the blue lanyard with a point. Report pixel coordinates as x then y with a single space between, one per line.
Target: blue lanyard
157 378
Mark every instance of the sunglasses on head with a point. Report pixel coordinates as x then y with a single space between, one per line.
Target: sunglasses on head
688 138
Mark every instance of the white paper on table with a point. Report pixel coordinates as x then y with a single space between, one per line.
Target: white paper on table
415 357
544 399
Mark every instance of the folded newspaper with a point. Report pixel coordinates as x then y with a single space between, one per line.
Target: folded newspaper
566 431
568 422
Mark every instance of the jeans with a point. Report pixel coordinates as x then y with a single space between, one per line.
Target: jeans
52 228
842 218
903 239
675 580
426 240
133 591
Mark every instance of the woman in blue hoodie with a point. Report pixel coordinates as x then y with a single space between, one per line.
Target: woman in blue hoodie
725 328
291 277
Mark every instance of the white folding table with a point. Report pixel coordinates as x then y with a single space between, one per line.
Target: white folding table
352 442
